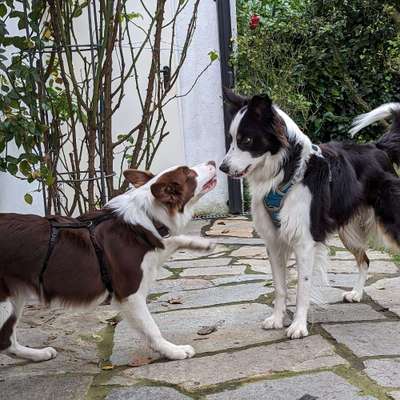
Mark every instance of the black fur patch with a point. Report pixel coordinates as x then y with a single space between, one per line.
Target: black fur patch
256 136
361 176
316 178
292 160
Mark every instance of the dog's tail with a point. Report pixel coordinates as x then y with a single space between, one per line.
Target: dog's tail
390 141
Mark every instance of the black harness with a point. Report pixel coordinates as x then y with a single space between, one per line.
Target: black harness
90 225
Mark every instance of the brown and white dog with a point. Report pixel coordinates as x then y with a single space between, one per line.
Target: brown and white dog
62 263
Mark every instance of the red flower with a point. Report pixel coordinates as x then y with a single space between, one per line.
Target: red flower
254 21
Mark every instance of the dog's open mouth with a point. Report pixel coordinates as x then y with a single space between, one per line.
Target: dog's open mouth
241 174
210 185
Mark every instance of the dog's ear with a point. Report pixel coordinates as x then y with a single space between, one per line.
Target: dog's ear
168 193
234 101
261 107
138 178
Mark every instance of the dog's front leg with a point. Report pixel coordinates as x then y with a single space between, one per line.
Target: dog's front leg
136 312
305 254
194 243
278 254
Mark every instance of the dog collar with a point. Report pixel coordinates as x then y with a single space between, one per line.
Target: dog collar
273 202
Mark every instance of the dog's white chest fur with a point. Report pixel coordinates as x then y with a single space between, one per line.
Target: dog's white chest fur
294 215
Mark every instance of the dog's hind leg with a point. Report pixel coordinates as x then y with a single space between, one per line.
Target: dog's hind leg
7 324
355 238
10 312
278 255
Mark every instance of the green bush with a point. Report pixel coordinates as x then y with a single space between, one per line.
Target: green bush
322 61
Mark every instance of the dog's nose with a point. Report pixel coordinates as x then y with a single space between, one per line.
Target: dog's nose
212 163
224 168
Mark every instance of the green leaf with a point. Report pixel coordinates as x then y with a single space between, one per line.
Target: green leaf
133 15
12 168
213 55
3 10
28 198
25 168
50 180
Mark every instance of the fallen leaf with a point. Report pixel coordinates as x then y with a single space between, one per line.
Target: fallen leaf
97 338
225 231
107 367
175 300
206 330
221 223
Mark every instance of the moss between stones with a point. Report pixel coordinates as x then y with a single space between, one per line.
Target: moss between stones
104 350
366 385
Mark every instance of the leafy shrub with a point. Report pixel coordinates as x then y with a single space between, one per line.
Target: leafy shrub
322 61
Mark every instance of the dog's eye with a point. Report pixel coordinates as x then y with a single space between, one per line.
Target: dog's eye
247 140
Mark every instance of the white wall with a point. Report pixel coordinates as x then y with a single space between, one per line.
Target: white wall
195 121
202 109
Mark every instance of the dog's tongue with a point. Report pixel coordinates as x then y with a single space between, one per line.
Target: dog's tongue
210 185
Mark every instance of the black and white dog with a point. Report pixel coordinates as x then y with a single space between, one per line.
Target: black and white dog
301 193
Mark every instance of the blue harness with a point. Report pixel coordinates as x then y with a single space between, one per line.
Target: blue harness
273 202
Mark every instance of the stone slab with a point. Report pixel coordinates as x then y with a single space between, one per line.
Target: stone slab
292 355
188 255
342 313
394 395
372 255
242 278
396 310
168 285
324 385
260 266
45 388
237 228
214 271
238 241
324 295
386 292
75 335
146 393
211 296
195 226
203 262
163 273
349 267
250 251
384 372
237 326
368 338
343 280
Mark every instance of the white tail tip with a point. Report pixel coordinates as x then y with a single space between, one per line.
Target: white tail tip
381 112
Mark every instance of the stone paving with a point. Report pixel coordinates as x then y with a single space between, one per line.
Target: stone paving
216 303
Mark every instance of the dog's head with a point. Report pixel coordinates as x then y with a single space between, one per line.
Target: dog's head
176 190
256 130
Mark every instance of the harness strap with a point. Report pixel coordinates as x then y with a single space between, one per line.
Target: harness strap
273 202
55 228
105 276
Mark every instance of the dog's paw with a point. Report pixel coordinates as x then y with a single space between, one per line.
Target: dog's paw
39 355
200 244
174 352
273 322
352 297
297 330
